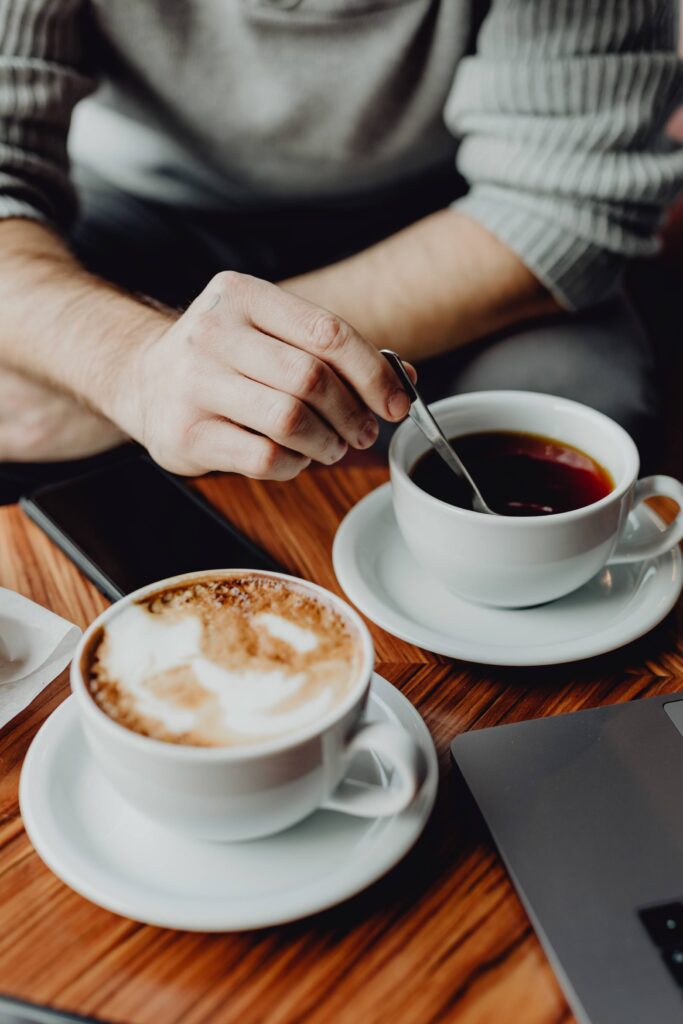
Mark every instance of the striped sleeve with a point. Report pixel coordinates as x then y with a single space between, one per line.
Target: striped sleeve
42 77
561 115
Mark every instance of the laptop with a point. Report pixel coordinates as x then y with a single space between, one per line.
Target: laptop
587 812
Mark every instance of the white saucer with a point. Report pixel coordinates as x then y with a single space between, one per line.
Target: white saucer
381 577
109 853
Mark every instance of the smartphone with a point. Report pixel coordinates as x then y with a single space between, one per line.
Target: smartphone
16 1011
130 523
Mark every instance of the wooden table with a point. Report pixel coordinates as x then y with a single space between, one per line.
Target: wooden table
442 938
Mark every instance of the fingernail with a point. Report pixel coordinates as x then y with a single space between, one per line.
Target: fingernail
399 403
338 452
368 434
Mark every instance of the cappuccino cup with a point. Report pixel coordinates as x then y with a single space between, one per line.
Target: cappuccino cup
509 562
229 705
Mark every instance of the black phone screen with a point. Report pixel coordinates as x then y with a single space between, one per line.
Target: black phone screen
131 523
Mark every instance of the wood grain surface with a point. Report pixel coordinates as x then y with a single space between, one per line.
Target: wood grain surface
442 938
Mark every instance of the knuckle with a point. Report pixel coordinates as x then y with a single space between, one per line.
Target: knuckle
332 449
227 292
309 376
264 461
228 282
288 417
379 378
292 469
328 333
352 413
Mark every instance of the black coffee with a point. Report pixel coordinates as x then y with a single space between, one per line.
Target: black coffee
517 474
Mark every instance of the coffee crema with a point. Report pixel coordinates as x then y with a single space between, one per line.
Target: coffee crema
223 661
518 474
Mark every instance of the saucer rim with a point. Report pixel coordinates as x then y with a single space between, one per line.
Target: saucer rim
62 858
373 606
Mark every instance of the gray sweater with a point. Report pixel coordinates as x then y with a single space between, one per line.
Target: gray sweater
553 111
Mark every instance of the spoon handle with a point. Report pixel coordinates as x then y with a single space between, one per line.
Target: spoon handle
396 364
422 417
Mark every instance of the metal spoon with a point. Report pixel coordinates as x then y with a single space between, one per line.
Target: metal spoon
420 414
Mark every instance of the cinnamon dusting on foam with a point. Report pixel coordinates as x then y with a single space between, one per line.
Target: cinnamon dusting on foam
222 662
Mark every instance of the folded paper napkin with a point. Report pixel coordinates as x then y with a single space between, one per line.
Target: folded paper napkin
35 646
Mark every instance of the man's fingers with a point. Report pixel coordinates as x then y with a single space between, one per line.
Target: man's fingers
296 372
316 331
279 416
225 447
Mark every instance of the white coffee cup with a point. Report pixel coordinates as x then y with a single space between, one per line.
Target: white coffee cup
512 562
243 792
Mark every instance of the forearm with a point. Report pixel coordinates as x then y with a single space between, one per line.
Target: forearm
248 379
438 284
60 324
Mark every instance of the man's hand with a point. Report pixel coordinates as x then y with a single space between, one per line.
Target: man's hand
252 380
249 378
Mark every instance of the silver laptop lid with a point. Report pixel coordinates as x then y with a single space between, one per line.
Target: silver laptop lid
587 812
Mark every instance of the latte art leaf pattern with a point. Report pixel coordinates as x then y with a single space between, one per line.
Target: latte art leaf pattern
225 665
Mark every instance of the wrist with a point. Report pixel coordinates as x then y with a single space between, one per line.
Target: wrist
117 390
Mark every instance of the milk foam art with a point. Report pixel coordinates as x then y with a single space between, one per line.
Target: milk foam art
141 645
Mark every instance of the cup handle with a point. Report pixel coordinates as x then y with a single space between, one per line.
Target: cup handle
634 550
400 751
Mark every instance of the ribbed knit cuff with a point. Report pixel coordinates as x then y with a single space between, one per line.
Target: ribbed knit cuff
576 272
11 207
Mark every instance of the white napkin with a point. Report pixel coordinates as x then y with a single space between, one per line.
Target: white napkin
35 646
